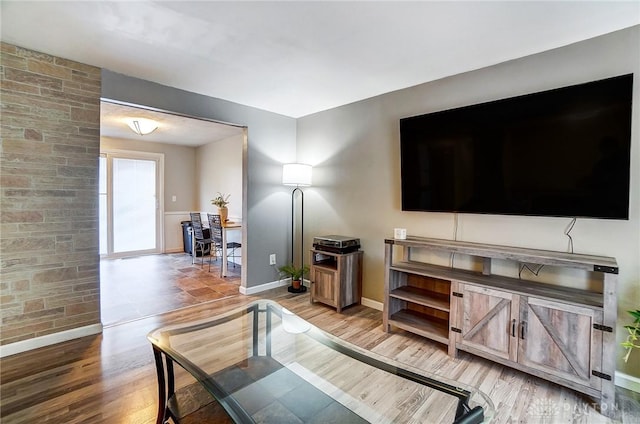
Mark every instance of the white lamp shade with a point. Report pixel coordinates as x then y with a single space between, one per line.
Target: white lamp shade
296 174
142 126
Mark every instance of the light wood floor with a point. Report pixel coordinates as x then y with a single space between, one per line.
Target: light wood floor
111 377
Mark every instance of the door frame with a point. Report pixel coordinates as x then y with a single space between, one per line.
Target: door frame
133 154
245 177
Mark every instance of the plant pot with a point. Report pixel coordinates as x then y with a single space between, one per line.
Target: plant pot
224 214
295 284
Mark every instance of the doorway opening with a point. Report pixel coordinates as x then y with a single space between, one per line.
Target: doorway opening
148 186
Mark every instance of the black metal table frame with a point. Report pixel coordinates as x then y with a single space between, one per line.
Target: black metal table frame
166 383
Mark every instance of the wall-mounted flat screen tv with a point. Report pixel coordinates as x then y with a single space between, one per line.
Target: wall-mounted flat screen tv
563 152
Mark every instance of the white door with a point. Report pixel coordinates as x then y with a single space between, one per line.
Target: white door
130 204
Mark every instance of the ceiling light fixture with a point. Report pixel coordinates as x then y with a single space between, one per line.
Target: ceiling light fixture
142 126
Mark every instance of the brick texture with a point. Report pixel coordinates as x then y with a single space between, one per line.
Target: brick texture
49 260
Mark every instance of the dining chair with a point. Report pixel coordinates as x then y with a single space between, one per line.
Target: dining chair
215 228
201 241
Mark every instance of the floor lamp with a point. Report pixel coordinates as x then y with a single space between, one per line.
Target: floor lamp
298 175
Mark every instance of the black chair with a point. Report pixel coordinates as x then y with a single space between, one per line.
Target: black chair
201 241
215 228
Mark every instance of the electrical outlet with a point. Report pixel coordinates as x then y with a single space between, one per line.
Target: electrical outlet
272 259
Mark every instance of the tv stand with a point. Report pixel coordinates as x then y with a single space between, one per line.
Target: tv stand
562 334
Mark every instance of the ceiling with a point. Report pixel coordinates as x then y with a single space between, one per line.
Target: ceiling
172 129
296 58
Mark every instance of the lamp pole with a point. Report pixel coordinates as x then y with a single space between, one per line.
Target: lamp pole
301 230
297 174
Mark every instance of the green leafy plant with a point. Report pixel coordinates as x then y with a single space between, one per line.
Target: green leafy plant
634 334
292 271
220 200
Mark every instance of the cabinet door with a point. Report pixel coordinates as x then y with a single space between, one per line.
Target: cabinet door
323 285
487 320
558 338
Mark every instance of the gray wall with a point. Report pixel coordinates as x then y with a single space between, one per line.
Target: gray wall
271 142
355 153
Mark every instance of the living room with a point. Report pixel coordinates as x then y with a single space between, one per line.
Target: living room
354 151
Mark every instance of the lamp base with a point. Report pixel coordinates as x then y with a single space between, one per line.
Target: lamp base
302 289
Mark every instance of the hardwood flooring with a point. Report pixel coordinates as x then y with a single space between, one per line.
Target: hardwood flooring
111 377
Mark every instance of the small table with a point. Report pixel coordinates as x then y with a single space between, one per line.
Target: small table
263 363
226 227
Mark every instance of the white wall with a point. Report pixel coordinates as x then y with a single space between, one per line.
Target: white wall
355 152
219 169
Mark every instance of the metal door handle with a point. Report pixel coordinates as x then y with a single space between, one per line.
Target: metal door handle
513 328
523 329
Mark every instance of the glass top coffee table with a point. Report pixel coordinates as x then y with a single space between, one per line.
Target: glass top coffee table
262 363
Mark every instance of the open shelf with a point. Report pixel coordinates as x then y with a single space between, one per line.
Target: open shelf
422 297
519 286
325 260
425 325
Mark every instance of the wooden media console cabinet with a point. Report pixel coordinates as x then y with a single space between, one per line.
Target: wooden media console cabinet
562 334
336 278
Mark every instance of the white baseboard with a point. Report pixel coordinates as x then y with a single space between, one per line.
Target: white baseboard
372 303
263 287
275 284
627 381
49 339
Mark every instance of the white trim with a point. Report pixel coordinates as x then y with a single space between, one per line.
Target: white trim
372 303
264 287
627 381
169 112
49 339
140 155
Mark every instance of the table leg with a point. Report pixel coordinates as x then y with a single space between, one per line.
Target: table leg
193 246
224 252
162 394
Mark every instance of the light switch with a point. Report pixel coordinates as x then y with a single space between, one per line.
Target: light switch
173 198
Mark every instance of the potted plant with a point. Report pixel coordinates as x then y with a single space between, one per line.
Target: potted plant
634 334
221 201
295 273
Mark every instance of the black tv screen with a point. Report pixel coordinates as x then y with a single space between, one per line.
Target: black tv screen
563 152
